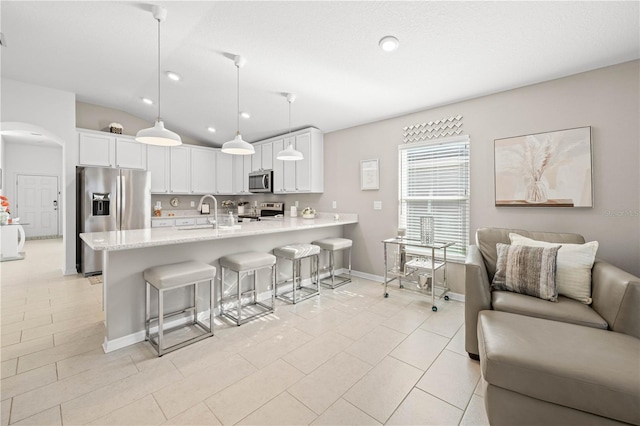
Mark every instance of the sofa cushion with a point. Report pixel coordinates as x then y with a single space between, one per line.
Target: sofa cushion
527 270
487 238
574 263
565 310
596 371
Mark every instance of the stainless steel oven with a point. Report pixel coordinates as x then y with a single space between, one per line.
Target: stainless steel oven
261 181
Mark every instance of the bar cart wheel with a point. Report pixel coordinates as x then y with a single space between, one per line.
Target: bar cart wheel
386 295
434 308
446 297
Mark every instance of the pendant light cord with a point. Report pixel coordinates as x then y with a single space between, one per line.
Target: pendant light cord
159 119
289 116
238 99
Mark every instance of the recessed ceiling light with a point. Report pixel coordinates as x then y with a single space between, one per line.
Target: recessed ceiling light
389 43
173 76
245 114
147 101
211 129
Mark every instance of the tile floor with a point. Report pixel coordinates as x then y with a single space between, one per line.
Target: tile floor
348 357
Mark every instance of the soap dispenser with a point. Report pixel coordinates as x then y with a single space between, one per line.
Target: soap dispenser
231 219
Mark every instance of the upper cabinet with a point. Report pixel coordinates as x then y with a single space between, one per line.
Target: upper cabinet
158 165
110 150
242 165
224 173
203 170
180 170
306 175
263 158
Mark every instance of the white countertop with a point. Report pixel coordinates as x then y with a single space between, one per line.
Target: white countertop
152 237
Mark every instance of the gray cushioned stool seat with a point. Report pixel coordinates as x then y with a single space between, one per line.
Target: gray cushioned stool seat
583 368
247 261
332 244
178 274
296 251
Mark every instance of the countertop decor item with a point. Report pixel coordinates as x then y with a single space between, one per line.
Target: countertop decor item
308 213
158 135
175 202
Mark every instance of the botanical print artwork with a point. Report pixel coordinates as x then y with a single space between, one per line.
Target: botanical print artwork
546 169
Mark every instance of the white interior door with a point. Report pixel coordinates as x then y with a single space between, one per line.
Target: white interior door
37 204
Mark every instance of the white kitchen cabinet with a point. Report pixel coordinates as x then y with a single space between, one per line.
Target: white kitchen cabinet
289 169
278 167
96 149
110 150
203 170
242 166
224 173
267 155
131 154
158 166
179 170
306 175
256 159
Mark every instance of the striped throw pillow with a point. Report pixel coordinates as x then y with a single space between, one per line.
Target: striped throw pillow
527 270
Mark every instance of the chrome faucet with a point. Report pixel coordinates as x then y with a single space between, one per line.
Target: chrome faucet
215 209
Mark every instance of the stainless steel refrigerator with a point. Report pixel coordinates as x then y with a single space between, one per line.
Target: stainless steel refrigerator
109 200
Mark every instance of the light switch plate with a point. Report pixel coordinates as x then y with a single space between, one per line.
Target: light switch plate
377 205
334 204
193 204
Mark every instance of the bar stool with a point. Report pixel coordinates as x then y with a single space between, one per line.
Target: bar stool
170 277
296 253
245 263
332 245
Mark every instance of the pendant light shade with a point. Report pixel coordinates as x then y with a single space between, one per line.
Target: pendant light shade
289 154
237 146
158 135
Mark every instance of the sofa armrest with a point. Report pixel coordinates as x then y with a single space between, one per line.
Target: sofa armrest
477 296
616 297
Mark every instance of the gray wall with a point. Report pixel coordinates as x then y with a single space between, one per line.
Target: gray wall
96 117
606 99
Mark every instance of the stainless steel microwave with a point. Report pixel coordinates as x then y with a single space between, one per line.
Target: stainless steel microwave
261 181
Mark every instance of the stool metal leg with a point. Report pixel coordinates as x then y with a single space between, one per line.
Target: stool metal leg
239 300
274 279
147 309
212 284
195 303
160 322
333 269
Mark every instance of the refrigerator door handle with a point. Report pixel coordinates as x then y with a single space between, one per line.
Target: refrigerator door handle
122 202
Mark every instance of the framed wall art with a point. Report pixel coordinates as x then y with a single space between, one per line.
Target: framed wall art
551 169
369 176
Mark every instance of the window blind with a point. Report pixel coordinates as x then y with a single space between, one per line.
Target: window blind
434 181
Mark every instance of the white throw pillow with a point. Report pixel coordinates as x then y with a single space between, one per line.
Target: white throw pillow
573 270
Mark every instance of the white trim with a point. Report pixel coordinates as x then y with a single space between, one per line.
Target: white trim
442 141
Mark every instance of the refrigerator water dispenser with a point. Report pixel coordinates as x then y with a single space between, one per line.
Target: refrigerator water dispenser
100 204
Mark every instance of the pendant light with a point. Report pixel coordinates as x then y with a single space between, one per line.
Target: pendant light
237 146
289 154
158 135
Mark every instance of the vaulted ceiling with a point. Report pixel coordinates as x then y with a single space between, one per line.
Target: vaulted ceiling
325 52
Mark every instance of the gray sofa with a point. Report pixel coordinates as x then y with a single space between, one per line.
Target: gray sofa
554 362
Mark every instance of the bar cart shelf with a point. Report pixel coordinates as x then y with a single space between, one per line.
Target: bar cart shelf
417 263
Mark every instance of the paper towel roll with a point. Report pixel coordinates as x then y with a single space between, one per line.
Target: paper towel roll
294 211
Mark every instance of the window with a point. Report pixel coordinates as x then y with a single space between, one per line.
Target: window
434 181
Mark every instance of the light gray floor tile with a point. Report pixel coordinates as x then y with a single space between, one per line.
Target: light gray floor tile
266 352
475 414
9 368
198 415
420 349
50 417
144 411
326 384
381 390
313 354
420 408
375 345
5 411
242 398
281 410
343 413
29 380
452 377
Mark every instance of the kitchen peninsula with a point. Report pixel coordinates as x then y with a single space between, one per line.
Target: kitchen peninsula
126 254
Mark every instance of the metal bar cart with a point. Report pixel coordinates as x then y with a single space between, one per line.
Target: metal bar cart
414 262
